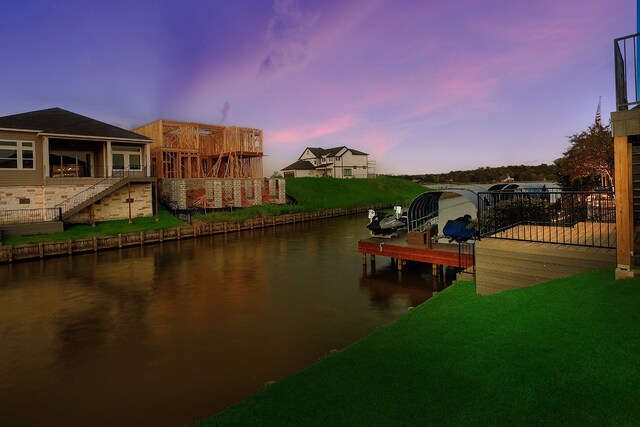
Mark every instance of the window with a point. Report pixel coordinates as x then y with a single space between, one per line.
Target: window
17 155
347 172
127 158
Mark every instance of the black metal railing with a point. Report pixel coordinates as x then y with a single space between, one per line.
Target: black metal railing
29 216
580 218
626 70
91 171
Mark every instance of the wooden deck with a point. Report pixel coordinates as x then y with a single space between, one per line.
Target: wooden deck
509 264
583 233
399 248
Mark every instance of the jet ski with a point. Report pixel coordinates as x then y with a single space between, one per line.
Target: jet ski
458 229
386 224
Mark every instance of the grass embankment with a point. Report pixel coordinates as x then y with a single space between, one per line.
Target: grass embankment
313 194
565 352
106 228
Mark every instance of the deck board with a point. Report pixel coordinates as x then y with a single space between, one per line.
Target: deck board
508 264
398 247
582 233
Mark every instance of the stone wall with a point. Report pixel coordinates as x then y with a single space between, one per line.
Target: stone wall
23 197
221 193
115 205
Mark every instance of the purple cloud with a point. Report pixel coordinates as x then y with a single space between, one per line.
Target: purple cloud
287 37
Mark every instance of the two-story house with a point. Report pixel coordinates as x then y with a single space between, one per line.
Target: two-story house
338 162
57 166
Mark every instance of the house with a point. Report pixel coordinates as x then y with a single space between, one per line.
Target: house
210 166
56 165
338 162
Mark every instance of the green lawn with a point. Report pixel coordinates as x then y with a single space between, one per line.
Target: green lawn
82 231
312 194
565 352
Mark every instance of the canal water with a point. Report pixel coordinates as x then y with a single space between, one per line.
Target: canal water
172 333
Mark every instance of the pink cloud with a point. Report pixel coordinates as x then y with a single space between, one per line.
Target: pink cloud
310 131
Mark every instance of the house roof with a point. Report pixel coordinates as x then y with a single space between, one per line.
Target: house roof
62 122
300 165
332 152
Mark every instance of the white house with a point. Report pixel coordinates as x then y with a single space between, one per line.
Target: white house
338 162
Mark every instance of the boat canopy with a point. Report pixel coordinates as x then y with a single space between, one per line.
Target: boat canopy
423 210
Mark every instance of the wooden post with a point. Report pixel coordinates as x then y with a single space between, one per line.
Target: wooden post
364 259
624 207
129 200
434 270
157 213
95 244
119 240
41 249
399 264
69 247
141 238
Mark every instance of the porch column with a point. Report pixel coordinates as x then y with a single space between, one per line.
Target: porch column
624 207
45 156
147 154
108 159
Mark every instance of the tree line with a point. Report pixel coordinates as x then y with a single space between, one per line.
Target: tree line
587 163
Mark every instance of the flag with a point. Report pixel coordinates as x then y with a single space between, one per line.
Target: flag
598 116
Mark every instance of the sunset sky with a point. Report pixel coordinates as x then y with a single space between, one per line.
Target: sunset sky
423 86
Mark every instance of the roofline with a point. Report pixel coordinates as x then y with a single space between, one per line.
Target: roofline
20 130
102 138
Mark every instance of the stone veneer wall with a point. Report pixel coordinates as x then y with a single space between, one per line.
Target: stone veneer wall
220 193
10 197
115 205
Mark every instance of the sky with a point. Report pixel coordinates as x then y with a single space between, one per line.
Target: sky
422 86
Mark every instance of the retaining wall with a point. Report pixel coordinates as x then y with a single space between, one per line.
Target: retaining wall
32 251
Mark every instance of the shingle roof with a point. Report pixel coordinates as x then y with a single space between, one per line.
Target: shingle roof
300 165
63 122
332 152
357 153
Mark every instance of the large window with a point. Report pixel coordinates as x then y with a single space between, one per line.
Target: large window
70 163
17 155
347 172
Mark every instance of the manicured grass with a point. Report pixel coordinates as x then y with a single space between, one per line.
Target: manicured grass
82 231
565 352
312 194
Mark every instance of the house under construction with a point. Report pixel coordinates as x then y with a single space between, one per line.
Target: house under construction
210 166
197 150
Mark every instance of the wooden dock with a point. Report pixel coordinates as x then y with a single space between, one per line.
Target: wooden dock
449 254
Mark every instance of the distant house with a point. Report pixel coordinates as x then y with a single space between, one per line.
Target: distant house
338 162
57 166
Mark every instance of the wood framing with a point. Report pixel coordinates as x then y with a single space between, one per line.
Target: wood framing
196 150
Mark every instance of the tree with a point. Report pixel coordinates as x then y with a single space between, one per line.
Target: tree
589 160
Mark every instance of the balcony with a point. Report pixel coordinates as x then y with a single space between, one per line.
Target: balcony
626 71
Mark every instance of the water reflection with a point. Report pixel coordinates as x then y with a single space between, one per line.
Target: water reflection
169 334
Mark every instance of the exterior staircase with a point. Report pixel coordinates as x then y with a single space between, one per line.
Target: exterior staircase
85 198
